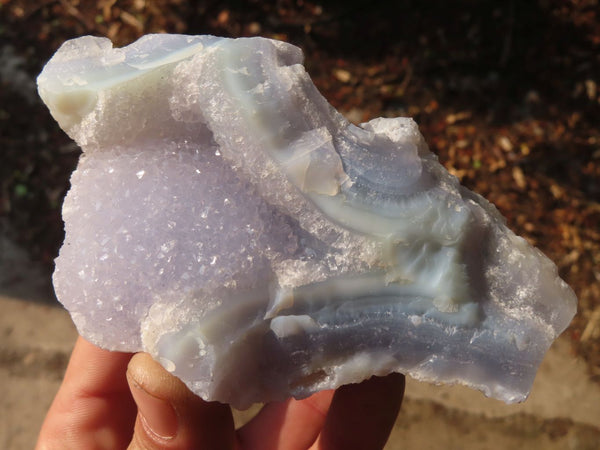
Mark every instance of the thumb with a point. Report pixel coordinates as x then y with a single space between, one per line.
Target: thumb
170 416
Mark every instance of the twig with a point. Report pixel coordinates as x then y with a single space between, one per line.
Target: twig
591 325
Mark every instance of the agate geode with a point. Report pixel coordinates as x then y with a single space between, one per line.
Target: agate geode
226 219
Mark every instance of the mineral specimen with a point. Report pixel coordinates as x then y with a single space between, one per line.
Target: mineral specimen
226 219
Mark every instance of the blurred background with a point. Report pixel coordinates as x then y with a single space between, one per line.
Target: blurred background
506 93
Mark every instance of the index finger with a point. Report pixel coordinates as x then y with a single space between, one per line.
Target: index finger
93 407
362 415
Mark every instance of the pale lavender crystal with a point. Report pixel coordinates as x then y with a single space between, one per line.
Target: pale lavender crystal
226 219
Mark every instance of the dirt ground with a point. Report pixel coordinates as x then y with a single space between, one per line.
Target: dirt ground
506 93
563 411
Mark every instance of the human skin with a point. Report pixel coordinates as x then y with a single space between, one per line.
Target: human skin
112 400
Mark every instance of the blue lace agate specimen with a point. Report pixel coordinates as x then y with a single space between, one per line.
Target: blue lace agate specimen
227 220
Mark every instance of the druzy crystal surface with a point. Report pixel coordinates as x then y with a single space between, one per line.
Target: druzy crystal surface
226 219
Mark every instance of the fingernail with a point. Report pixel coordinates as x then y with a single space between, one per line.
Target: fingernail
157 415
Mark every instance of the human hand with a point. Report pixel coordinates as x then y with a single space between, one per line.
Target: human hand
95 408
